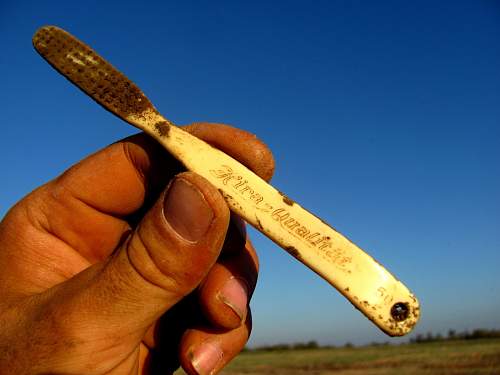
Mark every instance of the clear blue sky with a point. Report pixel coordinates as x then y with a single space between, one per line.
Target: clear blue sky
384 118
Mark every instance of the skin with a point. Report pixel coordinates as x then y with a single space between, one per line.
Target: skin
125 264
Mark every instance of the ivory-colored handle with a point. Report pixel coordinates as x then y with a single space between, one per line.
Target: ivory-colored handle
361 279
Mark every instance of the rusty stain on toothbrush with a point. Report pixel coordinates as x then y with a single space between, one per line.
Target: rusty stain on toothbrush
259 224
162 128
230 199
286 200
293 251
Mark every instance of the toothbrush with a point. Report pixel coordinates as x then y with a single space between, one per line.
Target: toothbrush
363 281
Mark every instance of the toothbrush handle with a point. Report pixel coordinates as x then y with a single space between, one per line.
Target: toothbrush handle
361 279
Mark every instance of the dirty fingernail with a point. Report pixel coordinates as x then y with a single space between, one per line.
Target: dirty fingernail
234 294
206 357
187 211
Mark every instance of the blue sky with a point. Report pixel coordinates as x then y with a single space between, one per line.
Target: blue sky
384 119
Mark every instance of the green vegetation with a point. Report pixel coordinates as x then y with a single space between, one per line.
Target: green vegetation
461 357
441 357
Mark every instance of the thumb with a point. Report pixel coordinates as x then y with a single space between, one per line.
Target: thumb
164 259
173 247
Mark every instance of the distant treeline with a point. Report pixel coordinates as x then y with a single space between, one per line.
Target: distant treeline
295 346
302 346
454 335
419 338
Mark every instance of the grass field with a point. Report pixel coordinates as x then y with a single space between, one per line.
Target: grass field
439 358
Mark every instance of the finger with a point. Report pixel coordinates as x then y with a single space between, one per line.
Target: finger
144 361
222 297
205 351
166 257
250 151
225 293
163 337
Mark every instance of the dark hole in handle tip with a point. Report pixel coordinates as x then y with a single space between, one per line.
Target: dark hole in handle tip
400 311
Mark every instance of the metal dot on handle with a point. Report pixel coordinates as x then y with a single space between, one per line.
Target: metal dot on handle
400 311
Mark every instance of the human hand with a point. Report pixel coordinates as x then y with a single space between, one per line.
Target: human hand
106 271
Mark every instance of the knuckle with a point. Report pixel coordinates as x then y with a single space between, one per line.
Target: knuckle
148 267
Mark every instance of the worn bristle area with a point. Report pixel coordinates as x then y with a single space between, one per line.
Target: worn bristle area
94 75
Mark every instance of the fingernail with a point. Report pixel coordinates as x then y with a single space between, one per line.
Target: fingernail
186 210
234 294
206 357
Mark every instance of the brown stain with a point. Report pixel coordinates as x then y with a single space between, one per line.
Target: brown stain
259 224
293 251
286 200
225 195
230 200
91 73
162 128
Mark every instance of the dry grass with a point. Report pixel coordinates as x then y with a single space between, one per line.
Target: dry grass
481 357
